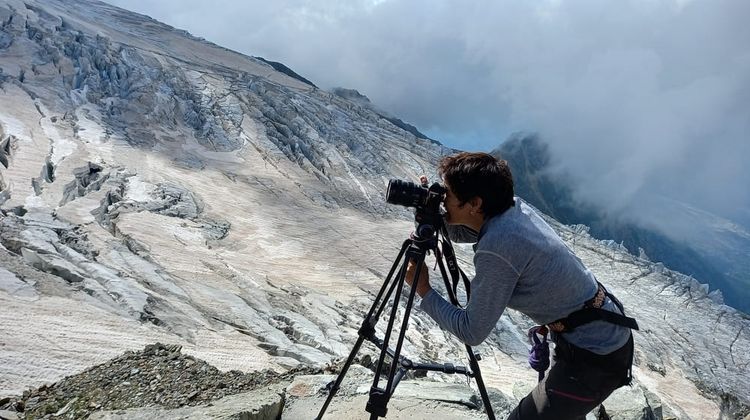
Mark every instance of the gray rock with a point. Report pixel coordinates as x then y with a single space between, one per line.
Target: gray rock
630 403
87 179
16 287
309 385
317 385
158 375
264 404
502 404
53 264
438 391
418 400
9 415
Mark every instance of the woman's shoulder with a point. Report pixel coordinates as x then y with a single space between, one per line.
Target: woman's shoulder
518 231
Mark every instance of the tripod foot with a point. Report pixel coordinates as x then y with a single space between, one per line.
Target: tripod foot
378 402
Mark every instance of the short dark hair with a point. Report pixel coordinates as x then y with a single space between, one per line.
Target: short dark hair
481 175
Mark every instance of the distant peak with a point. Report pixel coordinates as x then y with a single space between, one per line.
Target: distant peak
352 95
286 70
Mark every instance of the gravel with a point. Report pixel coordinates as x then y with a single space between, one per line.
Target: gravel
159 375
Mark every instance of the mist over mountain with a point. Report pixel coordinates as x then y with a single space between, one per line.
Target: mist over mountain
635 98
156 187
703 245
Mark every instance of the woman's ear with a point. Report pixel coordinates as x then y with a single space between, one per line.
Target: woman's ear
476 205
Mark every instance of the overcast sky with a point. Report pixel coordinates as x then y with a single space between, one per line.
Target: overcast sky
634 97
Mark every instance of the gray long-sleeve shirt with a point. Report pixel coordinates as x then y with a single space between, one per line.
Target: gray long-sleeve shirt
521 263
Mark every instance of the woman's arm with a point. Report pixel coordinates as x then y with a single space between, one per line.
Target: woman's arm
491 290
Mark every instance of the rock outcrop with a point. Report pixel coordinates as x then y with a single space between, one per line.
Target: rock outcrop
160 382
159 375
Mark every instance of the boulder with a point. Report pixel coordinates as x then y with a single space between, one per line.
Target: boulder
262 404
9 415
631 403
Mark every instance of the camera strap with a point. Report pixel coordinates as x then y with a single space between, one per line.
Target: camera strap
456 273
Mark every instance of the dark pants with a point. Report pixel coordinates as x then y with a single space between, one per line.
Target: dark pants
576 384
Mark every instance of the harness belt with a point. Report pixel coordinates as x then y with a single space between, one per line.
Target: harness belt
592 312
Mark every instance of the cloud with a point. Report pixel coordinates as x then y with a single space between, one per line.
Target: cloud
635 97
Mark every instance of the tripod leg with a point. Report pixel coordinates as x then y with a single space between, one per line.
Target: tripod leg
474 364
386 339
334 389
378 401
405 322
367 329
404 247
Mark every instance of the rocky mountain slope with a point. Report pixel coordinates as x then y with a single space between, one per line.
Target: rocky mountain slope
157 187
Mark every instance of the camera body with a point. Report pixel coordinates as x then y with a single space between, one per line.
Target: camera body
426 201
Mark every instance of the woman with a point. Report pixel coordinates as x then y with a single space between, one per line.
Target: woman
522 264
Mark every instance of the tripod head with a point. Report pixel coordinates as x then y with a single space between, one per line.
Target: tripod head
425 236
427 204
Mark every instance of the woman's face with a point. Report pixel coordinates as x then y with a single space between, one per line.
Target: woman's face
456 213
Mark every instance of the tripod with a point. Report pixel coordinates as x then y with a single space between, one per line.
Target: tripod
415 248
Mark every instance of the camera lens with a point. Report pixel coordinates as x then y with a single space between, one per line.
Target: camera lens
405 193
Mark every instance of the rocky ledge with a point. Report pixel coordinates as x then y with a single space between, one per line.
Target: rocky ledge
161 382
160 376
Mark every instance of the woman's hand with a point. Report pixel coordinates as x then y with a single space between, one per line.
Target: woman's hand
423 283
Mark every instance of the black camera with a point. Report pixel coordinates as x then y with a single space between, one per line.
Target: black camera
426 200
409 194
